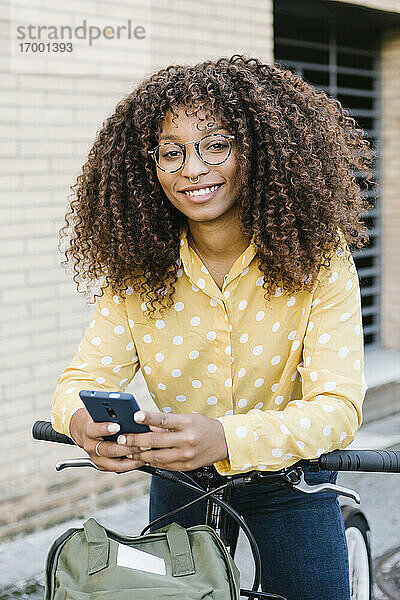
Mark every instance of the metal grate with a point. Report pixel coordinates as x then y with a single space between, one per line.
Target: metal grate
328 51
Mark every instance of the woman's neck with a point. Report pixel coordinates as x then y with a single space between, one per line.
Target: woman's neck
218 243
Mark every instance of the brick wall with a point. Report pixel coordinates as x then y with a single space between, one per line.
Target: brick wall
47 125
390 317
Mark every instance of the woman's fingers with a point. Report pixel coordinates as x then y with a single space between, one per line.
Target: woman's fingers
99 430
117 465
162 420
113 457
163 458
156 439
112 449
167 458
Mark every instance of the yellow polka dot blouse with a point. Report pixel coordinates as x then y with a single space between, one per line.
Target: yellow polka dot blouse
285 378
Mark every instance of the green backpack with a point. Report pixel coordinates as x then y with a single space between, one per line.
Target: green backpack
95 563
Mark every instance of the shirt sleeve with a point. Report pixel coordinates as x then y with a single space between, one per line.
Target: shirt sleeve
329 413
106 359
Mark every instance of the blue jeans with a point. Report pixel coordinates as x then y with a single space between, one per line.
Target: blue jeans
301 536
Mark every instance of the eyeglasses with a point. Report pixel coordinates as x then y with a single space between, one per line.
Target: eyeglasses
213 149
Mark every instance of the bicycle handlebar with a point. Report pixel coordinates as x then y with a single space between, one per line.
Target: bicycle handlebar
370 461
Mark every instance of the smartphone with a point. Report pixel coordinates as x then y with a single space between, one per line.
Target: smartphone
113 407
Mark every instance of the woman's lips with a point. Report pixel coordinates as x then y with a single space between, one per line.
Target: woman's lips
203 197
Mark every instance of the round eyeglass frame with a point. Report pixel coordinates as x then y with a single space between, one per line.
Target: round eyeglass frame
196 146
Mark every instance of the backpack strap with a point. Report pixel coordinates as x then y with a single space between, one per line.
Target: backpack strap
181 552
99 547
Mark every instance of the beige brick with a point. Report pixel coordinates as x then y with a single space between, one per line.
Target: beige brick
52 180
20 440
11 98
28 358
11 248
8 114
100 86
12 280
21 165
9 375
45 276
35 212
47 115
34 293
94 101
70 165
52 338
17 198
14 344
23 133
10 314
49 368
10 182
88 117
9 81
79 8
44 307
29 326
42 82
65 288
13 263
39 245
15 215
46 148
25 230
8 148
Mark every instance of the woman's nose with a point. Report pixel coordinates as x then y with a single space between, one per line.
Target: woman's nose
193 166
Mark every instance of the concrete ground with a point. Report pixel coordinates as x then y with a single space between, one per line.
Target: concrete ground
24 559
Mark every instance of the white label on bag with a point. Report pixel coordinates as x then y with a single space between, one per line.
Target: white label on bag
137 559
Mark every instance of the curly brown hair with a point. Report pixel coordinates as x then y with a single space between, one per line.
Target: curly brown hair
299 190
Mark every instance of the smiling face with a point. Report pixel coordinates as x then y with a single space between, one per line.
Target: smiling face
217 206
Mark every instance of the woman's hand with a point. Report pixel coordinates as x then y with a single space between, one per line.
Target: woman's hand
87 434
177 442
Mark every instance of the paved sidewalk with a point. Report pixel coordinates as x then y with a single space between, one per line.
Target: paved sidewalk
24 559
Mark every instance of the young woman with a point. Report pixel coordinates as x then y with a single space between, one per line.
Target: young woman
218 204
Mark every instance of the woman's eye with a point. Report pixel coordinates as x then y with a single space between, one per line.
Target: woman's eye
217 146
171 154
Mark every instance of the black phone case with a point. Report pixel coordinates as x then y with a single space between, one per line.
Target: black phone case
116 407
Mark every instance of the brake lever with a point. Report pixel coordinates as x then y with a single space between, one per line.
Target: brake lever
75 462
302 486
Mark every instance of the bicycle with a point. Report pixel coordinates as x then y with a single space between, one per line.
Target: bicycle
216 489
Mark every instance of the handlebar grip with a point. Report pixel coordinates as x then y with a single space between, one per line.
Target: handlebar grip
42 430
361 460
